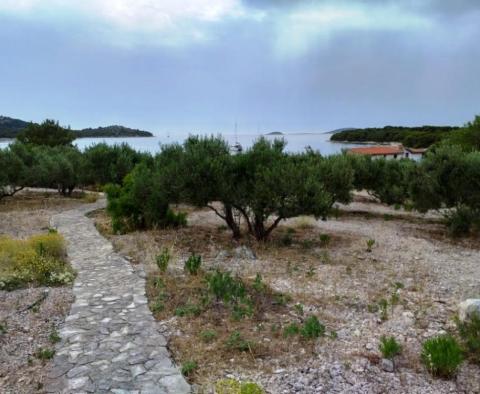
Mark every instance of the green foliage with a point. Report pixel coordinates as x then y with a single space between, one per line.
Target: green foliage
193 263
389 347
461 220
236 342
140 203
38 261
208 336
163 259
225 287
469 332
312 328
188 310
48 133
232 386
44 354
324 240
468 137
291 330
383 305
370 244
414 137
106 164
387 180
299 309
54 337
258 284
442 355
188 368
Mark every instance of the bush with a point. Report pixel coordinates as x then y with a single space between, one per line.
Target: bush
460 221
188 368
162 260
232 386
312 328
141 202
469 332
208 336
51 245
225 287
192 265
236 342
442 356
291 330
37 261
389 347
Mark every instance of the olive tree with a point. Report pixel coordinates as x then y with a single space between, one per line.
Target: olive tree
48 133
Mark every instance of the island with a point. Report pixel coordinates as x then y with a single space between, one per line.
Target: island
414 137
10 128
275 133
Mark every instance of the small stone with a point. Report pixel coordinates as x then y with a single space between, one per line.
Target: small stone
387 365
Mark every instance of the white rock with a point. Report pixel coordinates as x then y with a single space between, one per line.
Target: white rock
468 308
387 365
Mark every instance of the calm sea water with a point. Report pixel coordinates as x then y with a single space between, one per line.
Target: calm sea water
295 142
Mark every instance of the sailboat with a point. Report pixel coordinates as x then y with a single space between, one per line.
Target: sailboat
236 147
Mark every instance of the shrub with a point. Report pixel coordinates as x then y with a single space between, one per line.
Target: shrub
389 347
232 386
324 240
442 355
44 353
225 287
141 203
469 332
192 265
291 330
312 328
460 221
188 368
236 342
258 284
54 337
36 260
188 310
163 259
370 244
208 336
51 245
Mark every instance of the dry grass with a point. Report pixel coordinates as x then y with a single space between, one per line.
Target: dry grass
205 332
29 212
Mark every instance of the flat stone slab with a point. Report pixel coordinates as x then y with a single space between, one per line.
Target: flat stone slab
110 341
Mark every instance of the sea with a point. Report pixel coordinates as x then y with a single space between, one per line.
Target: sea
296 142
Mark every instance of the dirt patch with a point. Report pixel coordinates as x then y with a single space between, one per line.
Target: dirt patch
29 212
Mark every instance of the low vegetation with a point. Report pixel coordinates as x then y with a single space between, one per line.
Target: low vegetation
442 355
39 260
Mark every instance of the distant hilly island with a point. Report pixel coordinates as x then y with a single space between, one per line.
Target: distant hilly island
10 128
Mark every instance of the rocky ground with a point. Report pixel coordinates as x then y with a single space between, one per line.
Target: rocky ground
413 266
29 318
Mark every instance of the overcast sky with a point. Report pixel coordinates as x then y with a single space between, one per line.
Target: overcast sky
200 65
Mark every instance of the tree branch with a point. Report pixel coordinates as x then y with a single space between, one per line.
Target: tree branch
216 211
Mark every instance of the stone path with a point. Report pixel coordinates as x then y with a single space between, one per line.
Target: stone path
110 342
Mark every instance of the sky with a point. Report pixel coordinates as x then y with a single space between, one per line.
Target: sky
199 66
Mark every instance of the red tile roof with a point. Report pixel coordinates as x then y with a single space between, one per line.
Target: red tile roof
378 150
